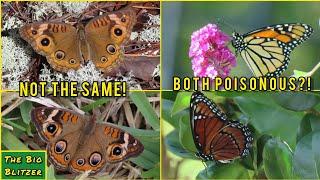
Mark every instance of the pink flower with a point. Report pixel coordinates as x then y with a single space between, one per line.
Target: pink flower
209 53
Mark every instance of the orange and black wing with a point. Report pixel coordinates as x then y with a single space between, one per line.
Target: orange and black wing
267 50
61 129
215 137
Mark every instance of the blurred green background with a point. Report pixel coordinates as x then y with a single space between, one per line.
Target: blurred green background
180 19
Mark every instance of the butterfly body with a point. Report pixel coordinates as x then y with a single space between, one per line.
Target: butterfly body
66 47
216 137
267 50
78 144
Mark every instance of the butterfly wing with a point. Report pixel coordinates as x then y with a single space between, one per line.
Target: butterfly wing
60 129
233 141
106 35
267 50
58 42
215 137
108 144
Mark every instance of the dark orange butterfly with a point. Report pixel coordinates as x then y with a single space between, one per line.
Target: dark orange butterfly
216 137
267 50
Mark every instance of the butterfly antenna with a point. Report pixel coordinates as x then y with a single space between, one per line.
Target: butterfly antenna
205 166
218 21
222 21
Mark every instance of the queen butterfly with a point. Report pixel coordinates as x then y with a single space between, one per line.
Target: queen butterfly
216 137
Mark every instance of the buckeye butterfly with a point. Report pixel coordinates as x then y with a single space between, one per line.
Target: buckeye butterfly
267 50
216 137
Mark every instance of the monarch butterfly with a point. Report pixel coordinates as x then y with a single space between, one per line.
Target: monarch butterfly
266 50
215 136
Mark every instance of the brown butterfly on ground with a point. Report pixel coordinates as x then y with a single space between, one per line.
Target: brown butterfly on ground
77 143
67 47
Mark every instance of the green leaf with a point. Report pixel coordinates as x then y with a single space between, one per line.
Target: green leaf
259 173
146 159
11 142
173 145
297 73
152 145
185 134
141 101
261 142
182 102
166 113
268 117
309 123
25 109
153 173
229 94
224 171
248 161
95 104
306 159
142 134
277 159
297 101
13 124
51 173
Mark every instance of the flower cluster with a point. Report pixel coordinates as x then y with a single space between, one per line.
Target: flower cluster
209 53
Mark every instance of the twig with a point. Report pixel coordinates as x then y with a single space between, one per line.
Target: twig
17 5
17 12
310 73
144 7
15 104
7 126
